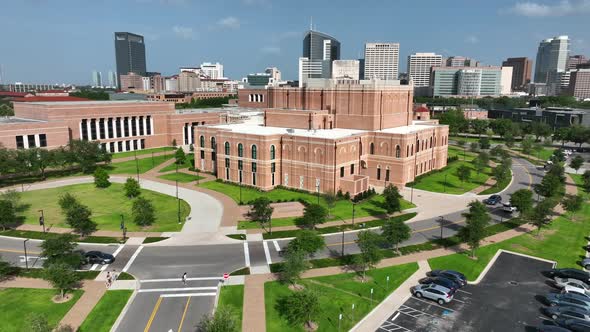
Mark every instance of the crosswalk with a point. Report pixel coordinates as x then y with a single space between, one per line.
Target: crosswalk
259 255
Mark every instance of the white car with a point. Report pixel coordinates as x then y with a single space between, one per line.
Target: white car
508 207
562 282
577 288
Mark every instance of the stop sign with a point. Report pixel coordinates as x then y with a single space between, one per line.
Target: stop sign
225 276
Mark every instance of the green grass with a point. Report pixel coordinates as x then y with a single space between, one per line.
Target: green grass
499 186
106 311
106 204
187 164
232 297
43 236
337 294
141 152
476 139
17 304
435 181
154 239
130 167
181 177
544 154
39 273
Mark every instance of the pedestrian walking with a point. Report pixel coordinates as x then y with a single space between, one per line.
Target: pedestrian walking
184 278
109 281
115 275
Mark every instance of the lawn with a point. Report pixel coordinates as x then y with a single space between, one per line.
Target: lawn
476 139
107 206
141 152
106 311
499 186
337 294
181 177
17 304
232 297
544 154
562 242
187 164
130 167
446 180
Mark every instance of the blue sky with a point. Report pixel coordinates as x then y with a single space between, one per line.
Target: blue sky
63 41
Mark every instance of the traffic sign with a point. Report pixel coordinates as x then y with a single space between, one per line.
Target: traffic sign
225 276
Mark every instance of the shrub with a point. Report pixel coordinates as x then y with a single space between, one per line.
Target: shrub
101 178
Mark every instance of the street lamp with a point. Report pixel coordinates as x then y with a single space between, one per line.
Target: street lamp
123 228
136 164
42 220
240 187
317 186
177 199
26 257
353 210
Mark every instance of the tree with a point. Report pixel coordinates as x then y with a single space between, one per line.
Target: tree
509 140
522 199
562 134
293 266
501 126
479 126
261 211
7 214
300 308
314 214
132 188
308 241
330 199
541 214
143 212
474 147
6 269
101 178
576 163
541 129
579 134
527 145
464 173
62 277
369 244
501 173
180 156
558 156
61 249
455 119
392 199
481 161
66 201
476 220
460 142
78 218
551 185
484 143
572 204
395 231
586 179
87 154
223 320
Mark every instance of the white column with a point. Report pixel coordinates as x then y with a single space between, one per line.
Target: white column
129 124
121 129
108 147
144 124
190 134
37 141
97 128
152 124
183 135
88 131
26 141
137 125
80 125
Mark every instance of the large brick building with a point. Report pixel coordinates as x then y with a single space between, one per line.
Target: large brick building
326 136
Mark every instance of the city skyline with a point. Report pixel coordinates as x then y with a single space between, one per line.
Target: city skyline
232 29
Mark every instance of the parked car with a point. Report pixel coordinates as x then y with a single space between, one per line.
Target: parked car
434 292
568 299
586 263
562 282
507 207
569 273
98 257
552 328
576 288
450 274
567 312
445 282
493 200
574 325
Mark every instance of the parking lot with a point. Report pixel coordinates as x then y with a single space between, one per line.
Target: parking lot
507 299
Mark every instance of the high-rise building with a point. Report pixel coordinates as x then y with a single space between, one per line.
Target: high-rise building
461 61
319 50
579 84
112 79
521 72
551 55
381 61
274 72
212 70
419 67
575 60
129 54
131 81
345 69
188 82
467 81
96 78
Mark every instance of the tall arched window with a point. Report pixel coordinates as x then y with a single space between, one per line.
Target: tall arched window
202 141
397 151
412 150
254 152
272 152
407 151
240 150
213 145
227 148
431 142
372 148
417 145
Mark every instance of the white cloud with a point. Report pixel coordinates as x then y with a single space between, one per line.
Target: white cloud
561 8
183 32
472 39
271 50
229 22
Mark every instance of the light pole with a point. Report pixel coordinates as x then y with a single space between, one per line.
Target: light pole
240 188
318 191
136 164
26 256
153 165
177 199
445 187
352 312
122 227
442 220
353 210
42 220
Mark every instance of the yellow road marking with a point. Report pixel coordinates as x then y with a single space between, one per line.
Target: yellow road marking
156 307
20 251
184 314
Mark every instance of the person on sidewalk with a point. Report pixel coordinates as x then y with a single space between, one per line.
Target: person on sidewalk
184 279
115 275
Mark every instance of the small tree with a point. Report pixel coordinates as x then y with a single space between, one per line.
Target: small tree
392 199
586 179
576 163
572 204
527 145
474 147
293 266
101 178
476 220
501 173
395 231
300 308
61 249
522 199
7 214
66 201
38 323
314 214
78 218
330 199
13 196
509 140
224 320
62 277
261 211
484 143
132 188
541 214
180 156
463 173
143 212
369 244
481 161
307 241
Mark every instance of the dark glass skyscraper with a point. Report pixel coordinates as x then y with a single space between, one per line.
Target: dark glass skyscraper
129 54
319 50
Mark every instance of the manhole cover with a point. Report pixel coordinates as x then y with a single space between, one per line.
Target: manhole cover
513 283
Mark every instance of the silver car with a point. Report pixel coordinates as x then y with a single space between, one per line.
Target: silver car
586 263
575 283
434 292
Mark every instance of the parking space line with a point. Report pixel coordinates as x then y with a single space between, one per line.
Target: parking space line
187 295
454 299
184 314
246 254
132 259
277 248
462 291
104 267
394 317
154 290
178 279
153 315
433 303
266 252
93 267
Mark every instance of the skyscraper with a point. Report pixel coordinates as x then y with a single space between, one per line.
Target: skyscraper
419 65
319 50
521 72
552 55
112 79
212 70
96 78
382 61
129 54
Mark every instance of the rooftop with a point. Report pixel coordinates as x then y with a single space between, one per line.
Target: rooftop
232 109
12 120
408 129
95 102
266 131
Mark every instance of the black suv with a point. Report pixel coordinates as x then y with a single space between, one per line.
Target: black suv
455 276
569 273
448 283
493 200
98 257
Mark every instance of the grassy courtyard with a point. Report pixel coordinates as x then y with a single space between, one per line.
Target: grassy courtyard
106 311
181 177
141 152
337 294
17 304
187 164
131 166
544 154
232 297
107 206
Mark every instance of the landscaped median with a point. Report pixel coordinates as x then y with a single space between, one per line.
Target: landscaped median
128 154
106 311
181 177
232 298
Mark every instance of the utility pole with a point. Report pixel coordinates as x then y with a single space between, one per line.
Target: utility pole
42 220
26 257
123 228
177 199
136 164
442 220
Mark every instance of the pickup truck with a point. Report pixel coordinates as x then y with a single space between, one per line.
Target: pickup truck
508 207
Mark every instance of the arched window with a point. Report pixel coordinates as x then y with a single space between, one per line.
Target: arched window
372 148
227 148
397 151
202 141
213 145
412 150
417 145
240 150
254 152
272 152
407 151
